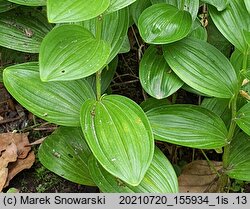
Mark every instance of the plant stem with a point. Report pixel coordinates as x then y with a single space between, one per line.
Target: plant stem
225 157
99 72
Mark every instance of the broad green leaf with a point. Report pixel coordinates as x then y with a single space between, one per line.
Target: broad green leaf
116 5
114 30
232 21
247 39
30 2
106 77
239 158
66 153
202 66
247 3
56 102
188 125
219 4
151 103
220 107
198 31
119 135
190 6
243 118
137 8
71 52
23 29
6 5
156 77
159 178
75 10
192 90
125 46
217 39
164 23
237 61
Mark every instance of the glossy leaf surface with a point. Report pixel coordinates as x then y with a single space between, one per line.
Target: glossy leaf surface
30 2
202 67
167 24
219 4
23 29
159 178
66 153
119 135
116 5
232 21
239 158
247 3
190 6
75 10
137 8
114 30
188 125
156 77
106 77
71 52
56 102
243 118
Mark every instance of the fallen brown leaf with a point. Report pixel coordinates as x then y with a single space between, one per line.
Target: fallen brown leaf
3 177
19 165
198 177
15 156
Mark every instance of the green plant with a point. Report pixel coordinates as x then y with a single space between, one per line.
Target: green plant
108 140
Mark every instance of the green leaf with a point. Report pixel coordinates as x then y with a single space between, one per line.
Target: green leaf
219 4
119 135
66 153
106 77
23 29
137 8
125 46
188 125
217 39
75 10
151 103
247 3
156 77
30 2
6 5
190 6
164 23
56 102
243 118
198 31
237 60
71 52
159 178
220 107
202 66
116 5
232 21
239 158
114 30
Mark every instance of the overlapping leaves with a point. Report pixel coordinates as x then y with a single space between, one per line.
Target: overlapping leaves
119 135
71 52
159 178
56 102
188 125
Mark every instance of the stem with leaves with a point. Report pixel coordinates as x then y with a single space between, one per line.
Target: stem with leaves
99 21
225 158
